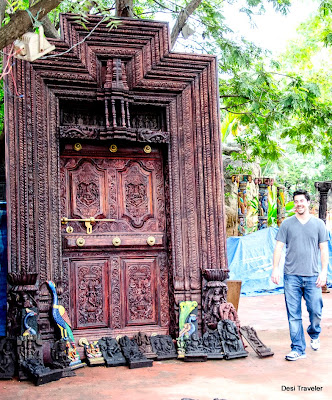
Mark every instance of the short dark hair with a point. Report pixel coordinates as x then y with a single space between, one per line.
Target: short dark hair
299 192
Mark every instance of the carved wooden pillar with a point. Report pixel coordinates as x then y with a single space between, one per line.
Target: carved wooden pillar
323 188
281 206
263 203
242 181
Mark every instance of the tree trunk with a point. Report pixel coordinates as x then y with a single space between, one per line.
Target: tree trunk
124 8
3 6
21 22
49 28
182 19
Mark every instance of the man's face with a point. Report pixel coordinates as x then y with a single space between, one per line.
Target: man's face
301 204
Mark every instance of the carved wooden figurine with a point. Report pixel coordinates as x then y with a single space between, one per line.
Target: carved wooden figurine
92 352
132 354
111 352
144 344
163 346
251 337
231 340
187 324
7 358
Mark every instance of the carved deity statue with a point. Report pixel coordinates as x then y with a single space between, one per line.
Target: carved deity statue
214 296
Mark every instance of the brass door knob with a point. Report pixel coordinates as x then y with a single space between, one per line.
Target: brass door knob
151 240
80 242
116 241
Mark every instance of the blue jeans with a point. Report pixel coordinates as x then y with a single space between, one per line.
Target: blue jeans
295 287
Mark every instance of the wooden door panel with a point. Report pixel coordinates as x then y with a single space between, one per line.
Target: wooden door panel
125 287
90 293
140 289
87 187
136 202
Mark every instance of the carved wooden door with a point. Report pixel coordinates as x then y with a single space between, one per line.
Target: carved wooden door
115 274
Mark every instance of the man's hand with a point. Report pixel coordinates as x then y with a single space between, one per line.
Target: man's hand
324 255
275 277
321 280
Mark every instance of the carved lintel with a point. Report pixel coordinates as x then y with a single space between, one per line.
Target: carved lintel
146 135
79 132
251 337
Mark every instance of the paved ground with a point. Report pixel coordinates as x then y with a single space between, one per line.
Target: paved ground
250 378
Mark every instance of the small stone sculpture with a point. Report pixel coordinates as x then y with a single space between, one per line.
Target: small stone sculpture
230 339
144 345
111 352
213 346
132 354
251 337
194 349
7 358
73 355
163 346
92 352
40 374
29 347
60 358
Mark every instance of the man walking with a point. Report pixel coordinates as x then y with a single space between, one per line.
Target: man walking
304 235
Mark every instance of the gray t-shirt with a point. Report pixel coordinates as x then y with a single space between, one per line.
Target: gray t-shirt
302 245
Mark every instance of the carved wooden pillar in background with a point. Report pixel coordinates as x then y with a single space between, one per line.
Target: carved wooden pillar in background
263 202
242 181
281 206
323 188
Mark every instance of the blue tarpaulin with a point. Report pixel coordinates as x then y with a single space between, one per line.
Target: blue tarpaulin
250 260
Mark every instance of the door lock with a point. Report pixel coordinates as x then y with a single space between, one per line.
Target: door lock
88 222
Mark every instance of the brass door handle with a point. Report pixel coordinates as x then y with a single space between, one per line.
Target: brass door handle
88 221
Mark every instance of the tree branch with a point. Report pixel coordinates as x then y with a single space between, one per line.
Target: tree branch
21 22
182 19
124 8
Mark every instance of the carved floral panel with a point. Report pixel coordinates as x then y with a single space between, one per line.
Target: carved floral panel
88 196
91 292
141 291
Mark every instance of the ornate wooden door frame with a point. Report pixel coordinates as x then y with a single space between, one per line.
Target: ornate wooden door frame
184 85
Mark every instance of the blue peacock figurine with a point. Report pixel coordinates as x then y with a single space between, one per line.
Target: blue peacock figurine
28 329
60 315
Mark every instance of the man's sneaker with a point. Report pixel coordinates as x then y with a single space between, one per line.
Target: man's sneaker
315 344
294 355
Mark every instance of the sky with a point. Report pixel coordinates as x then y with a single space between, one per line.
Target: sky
272 29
